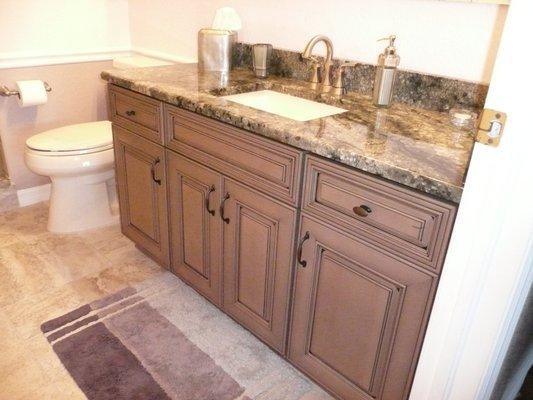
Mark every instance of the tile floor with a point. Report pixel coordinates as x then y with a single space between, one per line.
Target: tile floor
8 195
46 275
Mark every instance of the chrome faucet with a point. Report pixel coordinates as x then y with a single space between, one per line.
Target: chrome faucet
308 55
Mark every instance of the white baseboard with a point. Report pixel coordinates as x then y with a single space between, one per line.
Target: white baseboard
36 194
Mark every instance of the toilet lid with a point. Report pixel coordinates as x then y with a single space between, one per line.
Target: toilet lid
72 138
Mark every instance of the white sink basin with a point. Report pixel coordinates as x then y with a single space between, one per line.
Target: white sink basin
285 105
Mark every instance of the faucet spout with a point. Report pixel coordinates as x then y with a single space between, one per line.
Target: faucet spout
308 54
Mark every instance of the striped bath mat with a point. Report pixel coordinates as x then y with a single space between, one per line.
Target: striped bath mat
123 347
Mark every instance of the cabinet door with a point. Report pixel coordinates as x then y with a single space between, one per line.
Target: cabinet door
358 315
258 244
141 183
196 229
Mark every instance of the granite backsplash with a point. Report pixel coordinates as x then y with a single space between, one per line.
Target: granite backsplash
412 88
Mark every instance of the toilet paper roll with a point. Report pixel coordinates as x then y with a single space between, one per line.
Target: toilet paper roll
31 93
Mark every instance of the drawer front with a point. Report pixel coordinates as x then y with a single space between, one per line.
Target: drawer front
407 223
268 166
136 112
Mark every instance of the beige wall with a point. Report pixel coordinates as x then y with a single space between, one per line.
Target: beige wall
458 40
78 95
34 31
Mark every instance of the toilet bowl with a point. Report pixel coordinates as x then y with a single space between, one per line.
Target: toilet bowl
79 160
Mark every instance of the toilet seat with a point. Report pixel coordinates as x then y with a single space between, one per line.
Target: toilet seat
63 153
73 140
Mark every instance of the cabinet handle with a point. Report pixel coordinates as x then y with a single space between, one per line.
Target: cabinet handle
154 165
362 210
226 220
130 113
303 263
207 206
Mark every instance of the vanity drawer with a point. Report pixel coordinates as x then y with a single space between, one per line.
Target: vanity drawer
270 167
136 112
405 222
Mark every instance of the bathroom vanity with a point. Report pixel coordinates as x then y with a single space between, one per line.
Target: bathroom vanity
325 238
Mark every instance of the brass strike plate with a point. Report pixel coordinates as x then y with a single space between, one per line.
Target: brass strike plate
491 126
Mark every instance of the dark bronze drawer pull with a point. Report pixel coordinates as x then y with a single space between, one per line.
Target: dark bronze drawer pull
362 211
303 263
226 220
207 197
154 165
130 113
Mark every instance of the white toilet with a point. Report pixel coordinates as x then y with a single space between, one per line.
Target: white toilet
80 163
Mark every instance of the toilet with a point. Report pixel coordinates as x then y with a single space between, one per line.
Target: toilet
80 163
79 160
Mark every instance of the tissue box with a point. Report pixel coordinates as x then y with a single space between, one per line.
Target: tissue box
214 49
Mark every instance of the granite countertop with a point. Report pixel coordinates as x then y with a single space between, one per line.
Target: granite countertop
411 146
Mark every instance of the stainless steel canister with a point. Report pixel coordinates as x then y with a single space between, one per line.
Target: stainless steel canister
214 49
261 53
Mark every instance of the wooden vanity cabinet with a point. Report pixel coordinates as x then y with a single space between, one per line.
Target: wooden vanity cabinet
142 192
358 314
357 281
195 225
258 252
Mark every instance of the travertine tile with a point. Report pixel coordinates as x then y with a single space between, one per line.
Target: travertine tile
25 272
8 194
45 276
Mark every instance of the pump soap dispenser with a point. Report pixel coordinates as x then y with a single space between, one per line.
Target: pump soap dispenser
386 74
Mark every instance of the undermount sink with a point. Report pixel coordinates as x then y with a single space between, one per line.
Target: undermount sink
285 105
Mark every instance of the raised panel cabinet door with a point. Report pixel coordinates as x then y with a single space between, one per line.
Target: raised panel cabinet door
358 315
142 192
258 246
195 226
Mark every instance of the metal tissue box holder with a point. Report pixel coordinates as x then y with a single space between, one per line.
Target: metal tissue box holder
214 49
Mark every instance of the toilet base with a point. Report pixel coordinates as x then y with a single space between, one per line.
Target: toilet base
80 203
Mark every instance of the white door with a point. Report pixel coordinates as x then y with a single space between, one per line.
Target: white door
488 270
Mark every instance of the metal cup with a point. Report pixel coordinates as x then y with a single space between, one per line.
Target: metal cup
261 53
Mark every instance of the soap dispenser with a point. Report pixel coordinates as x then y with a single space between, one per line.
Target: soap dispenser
386 74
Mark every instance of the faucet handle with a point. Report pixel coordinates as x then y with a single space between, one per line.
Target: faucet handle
314 74
340 69
338 86
315 65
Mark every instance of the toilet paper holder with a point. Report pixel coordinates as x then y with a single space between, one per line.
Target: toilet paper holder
5 91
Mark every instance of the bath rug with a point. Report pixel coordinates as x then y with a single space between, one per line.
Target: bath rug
161 340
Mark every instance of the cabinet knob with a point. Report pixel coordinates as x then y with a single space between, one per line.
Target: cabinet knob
362 210
130 113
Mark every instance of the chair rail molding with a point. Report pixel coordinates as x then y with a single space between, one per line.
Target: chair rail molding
161 55
34 58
